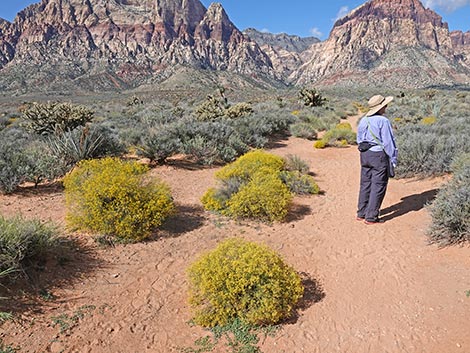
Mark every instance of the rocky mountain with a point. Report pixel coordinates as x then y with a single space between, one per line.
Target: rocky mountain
397 42
121 43
461 45
291 43
284 50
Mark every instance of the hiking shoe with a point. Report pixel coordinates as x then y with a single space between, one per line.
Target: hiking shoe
377 221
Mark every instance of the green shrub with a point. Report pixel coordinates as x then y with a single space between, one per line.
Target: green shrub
24 241
216 199
47 118
298 183
245 281
112 197
83 142
160 143
211 142
42 165
323 119
295 163
204 151
303 130
213 201
428 150
460 162
13 166
264 197
450 210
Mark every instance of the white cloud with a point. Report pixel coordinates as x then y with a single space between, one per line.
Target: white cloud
343 11
265 30
447 5
316 32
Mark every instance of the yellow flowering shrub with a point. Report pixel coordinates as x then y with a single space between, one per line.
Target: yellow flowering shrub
264 197
344 126
319 144
111 197
242 280
248 164
429 120
361 107
211 201
340 136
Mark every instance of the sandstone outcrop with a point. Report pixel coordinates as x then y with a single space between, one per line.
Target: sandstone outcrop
128 41
398 42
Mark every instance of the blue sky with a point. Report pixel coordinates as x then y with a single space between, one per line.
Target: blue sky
301 17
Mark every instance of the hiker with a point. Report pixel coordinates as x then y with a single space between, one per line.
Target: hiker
378 159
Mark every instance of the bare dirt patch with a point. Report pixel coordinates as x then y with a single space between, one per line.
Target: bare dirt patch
378 288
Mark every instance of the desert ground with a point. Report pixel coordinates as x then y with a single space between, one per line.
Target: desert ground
369 288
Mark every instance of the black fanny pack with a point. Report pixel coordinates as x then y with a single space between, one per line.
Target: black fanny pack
365 146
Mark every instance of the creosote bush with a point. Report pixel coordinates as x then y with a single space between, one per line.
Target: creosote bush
242 280
114 197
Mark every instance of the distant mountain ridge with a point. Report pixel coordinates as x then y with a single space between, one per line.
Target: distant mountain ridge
397 42
121 44
284 41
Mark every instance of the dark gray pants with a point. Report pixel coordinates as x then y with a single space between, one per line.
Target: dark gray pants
374 180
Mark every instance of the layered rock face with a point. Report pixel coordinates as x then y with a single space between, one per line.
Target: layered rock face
285 51
394 41
127 40
461 45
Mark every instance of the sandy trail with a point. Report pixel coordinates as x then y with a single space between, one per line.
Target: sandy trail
382 288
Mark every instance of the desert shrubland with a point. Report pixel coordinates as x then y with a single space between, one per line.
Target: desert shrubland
112 197
242 280
258 185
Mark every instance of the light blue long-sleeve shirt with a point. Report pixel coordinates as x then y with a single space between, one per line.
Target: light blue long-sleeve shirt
382 130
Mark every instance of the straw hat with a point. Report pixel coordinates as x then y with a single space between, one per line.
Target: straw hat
376 103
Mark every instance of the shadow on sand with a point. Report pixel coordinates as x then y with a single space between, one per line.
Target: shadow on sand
186 219
408 204
30 289
313 293
298 212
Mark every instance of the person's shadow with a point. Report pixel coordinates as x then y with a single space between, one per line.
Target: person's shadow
407 204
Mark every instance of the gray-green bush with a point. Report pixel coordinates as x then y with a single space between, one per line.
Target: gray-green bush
83 142
24 241
428 150
450 210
